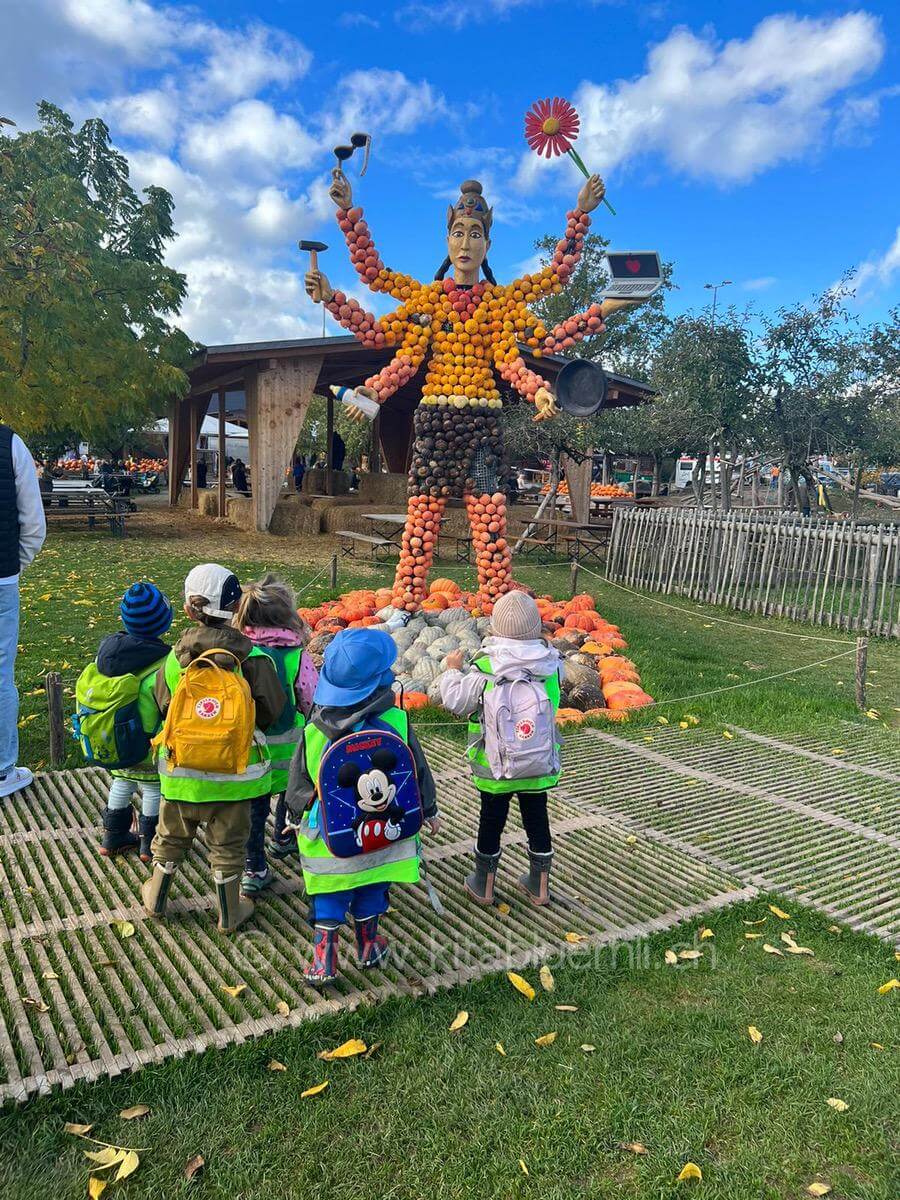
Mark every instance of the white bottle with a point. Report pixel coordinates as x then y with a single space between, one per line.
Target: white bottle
349 397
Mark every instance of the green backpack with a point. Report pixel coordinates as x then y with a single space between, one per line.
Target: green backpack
107 722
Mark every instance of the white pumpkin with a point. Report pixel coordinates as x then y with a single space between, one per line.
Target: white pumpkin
442 647
426 670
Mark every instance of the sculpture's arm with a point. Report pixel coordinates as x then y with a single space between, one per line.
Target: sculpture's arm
366 259
573 329
400 369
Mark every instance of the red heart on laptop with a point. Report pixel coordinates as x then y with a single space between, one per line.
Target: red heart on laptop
633 265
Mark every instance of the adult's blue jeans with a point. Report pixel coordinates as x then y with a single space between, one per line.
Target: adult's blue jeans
9 696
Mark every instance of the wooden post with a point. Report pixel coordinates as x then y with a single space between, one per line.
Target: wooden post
222 504
375 446
329 447
195 495
53 688
574 577
334 562
862 656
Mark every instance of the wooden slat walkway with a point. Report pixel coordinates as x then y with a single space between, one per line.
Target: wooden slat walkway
647 834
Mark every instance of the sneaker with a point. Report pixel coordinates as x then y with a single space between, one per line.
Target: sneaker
283 849
15 779
253 882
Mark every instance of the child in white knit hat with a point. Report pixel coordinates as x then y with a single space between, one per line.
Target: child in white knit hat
510 695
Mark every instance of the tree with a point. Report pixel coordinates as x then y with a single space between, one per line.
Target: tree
85 297
312 440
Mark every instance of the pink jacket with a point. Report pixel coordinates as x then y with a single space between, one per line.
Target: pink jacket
307 677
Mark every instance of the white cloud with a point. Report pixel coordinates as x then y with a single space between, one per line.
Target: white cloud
380 101
421 14
150 116
243 62
858 114
760 284
725 112
234 300
352 19
252 134
876 273
132 28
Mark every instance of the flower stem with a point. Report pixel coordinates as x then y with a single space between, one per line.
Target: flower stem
576 159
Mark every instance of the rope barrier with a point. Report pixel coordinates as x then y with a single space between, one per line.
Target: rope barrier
809 637
314 579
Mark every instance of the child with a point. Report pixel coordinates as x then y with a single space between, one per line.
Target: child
267 615
354 689
146 614
528 762
211 762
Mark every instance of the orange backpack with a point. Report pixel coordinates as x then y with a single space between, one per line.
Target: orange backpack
211 719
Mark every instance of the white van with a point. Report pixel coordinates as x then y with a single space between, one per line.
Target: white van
684 468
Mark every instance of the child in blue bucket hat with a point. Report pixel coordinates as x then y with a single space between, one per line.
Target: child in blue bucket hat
355 688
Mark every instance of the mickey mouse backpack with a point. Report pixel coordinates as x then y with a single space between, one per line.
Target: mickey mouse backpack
368 793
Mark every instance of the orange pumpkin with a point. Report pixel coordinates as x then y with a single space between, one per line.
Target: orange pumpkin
569 716
581 603
449 586
412 700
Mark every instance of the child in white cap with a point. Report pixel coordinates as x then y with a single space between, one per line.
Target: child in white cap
516 657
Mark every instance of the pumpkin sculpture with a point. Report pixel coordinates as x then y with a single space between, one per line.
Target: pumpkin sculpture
470 330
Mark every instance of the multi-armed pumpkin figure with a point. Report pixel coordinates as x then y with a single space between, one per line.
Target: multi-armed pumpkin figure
468 327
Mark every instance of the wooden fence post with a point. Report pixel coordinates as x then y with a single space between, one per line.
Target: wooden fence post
334 562
574 577
862 655
53 688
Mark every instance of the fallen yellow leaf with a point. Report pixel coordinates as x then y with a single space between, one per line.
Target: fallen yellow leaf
128 1166
662 720
124 929
772 950
818 1189
547 982
587 1048
690 955
728 736
890 986
689 1171
566 1007
283 1008
779 912
683 725
498 1046
836 1104
751 936
706 933
521 985
546 1039
314 1091
575 938
755 1036
133 1113
876 1045
109 1156
234 991
671 958
49 975
348 1049
522 1166
504 908
634 1147
458 1021
275 1065
761 921
630 840
78 1130
96 1187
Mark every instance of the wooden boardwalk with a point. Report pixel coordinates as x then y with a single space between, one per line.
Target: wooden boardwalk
647 834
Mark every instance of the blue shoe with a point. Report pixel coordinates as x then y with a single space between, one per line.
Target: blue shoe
253 882
283 849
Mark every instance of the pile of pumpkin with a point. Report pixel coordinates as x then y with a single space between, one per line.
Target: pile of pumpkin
599 491
598 680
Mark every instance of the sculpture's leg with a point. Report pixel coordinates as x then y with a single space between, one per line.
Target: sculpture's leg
423 523
493 557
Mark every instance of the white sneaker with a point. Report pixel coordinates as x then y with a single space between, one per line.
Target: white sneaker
15 779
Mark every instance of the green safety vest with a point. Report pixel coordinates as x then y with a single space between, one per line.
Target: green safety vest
284 736
481 771
322 870
202 787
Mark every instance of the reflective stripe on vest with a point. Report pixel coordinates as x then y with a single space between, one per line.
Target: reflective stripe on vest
203 787
322 870
478 761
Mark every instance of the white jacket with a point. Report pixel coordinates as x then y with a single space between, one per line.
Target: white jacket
461 690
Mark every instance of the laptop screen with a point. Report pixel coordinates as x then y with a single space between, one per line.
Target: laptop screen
633 265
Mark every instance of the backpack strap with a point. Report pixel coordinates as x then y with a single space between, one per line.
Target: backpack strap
208 656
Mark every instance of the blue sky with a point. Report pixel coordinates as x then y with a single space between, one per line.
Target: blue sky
756 142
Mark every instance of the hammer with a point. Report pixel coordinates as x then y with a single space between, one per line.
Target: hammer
313 248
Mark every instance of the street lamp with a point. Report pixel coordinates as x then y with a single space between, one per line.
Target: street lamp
714 288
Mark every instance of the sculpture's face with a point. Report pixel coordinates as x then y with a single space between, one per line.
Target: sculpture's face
467 247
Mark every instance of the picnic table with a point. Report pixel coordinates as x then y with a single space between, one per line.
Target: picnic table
580 539
389 527
77 498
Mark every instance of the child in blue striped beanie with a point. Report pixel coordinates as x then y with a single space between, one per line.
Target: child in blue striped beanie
136 650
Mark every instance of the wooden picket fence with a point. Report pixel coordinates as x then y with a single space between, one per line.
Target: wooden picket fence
825 572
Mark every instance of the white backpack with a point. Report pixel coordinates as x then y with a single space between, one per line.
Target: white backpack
520 740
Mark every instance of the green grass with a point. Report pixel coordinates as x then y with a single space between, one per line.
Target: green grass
70 597
440 1114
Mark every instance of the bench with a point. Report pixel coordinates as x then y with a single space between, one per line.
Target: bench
588 543
377 545
93 503
534 545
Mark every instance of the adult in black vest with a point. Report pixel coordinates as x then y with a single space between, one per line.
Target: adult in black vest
22 532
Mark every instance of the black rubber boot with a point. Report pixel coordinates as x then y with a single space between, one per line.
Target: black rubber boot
117 835
147 827
536 880
480 884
